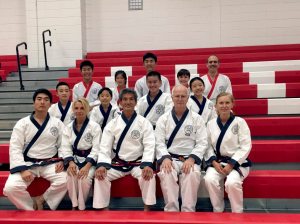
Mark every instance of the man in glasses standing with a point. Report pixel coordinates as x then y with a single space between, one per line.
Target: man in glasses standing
215 83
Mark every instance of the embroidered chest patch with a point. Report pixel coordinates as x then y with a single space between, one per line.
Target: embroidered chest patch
135 134
54 131
95 91
188 130
222 89
210 106
88 137
235 129
159 109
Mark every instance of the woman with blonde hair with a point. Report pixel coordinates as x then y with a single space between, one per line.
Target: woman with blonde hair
80 147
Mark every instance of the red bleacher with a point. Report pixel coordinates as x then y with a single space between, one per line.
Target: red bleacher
197 51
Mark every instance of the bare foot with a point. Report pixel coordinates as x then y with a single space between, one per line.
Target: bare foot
39 203
146 208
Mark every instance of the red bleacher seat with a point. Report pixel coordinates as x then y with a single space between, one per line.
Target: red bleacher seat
197 51
196 59
274 126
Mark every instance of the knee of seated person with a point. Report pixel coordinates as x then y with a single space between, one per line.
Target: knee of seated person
209 179
232 183
11 188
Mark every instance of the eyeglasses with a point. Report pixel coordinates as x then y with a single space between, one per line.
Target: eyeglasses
210 62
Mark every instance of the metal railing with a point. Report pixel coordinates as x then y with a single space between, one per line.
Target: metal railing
19 63
44 45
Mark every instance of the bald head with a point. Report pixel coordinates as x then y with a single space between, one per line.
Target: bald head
180 96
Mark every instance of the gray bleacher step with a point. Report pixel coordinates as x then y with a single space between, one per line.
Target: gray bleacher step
42 75
7 124
31 83
5 134
276 166
16 108
8 101
16 116
30 87
16 94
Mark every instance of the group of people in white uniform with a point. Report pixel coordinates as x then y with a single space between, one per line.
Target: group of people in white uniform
105 134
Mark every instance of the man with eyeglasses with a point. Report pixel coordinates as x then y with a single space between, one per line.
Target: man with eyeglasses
215 83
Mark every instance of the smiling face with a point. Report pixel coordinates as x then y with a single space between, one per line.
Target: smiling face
149 64
153 84
197 88
224 105
184 80
105 98
87 73
120 80
128 102
79 110
41 103
213 63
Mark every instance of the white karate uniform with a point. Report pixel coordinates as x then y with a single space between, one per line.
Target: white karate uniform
138 142
223 84
97 116
45 147
163 105
55 112
141 87
92 96
236 144
208 112
190 141
79 189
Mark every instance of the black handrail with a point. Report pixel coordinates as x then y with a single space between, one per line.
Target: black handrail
19 64
44 45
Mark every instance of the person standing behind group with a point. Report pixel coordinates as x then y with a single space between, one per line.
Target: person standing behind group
80 148
121 82
127 147
150 60
227 156
105 112
34 145
215 83
63 108
87 88
155 103
181 141
199 103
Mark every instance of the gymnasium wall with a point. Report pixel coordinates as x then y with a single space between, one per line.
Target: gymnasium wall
79 26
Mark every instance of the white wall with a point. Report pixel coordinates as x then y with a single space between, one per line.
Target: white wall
79 26
12 25
167 24
63 18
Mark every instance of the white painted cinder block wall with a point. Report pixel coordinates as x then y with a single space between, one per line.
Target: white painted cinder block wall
79 26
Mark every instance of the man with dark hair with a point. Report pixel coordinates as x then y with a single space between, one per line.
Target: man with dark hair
87 88
33 150
63 108
129 140
149 60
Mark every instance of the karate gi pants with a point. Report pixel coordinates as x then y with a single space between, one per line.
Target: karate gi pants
188 185
16 188
102 187
214 183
